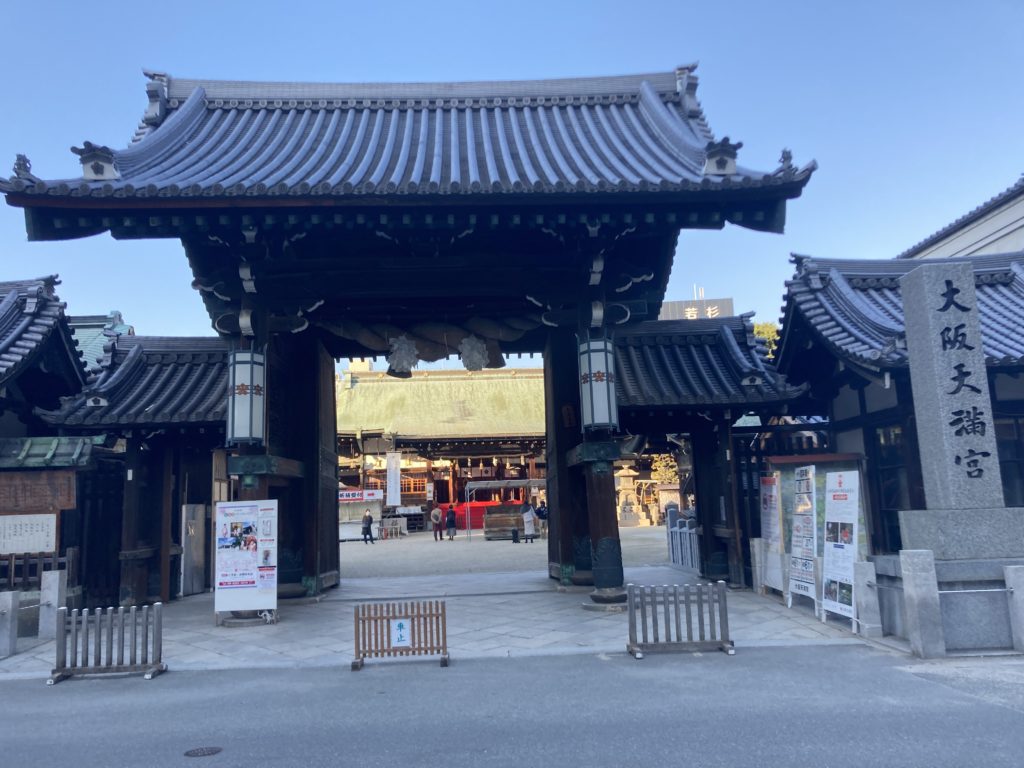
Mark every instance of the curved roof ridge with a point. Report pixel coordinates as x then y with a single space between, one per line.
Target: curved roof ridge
182 88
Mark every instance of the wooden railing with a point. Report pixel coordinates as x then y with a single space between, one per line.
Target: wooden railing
401 629
691 617
24 571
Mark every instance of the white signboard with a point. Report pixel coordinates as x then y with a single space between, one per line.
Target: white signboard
842 503
394 484
401 634
246 559
804 539
357 495
20 534
771 530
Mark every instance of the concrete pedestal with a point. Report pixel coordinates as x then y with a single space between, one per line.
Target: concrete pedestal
921 596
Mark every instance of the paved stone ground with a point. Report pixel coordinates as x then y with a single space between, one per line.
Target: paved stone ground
500 603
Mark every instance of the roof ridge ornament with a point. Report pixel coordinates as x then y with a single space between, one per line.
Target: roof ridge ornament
156 90
721 157
97 162
23 169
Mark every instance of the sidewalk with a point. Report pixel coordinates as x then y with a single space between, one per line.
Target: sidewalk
489 614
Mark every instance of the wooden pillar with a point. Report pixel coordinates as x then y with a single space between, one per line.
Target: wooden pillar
606 548
716 501
704 442
166 516
133 573
568 528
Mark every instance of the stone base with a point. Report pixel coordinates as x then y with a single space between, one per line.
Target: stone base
973 604
609 595
965 534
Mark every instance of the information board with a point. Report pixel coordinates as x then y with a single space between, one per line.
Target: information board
842 503
771 530
21 534
246 556
803 539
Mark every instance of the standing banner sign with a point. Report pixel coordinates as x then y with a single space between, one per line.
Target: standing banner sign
804 538
394 477
842 502
771 529
246 559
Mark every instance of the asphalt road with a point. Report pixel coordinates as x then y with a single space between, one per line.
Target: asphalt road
799 706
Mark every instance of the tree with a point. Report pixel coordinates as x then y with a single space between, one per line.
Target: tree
664 470
769 333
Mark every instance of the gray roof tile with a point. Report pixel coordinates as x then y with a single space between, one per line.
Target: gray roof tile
152 381
855 309
673 363
229 139
31 314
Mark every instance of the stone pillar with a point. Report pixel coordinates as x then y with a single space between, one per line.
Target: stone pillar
1014 575
865 588
606 549
921 602
955 427
52 596
561 414
10 602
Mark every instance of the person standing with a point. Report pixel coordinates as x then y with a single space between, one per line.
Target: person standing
449 520
435 522
542 516
368 528
529 522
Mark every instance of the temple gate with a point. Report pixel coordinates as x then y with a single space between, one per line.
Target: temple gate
418 221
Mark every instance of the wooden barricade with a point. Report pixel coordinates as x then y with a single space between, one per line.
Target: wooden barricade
690 617
401 629
94 643
24 571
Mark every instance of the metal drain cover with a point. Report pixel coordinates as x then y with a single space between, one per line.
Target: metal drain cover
203 751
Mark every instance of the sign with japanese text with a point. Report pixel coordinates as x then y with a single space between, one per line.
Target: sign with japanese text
394 479
246 556
401 634
803 536
21 534
357 495
948 375
842 505
49 490
771 530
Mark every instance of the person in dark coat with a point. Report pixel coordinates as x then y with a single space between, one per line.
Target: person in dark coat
368 528
449 522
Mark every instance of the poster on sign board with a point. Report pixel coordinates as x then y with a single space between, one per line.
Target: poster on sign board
803 538
842 502
246 556
771 530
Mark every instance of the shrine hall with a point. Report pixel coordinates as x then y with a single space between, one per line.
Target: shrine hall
414 222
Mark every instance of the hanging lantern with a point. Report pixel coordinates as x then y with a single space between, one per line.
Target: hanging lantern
597 384
246 397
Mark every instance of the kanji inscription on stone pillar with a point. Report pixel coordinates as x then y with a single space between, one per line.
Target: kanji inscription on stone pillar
952 406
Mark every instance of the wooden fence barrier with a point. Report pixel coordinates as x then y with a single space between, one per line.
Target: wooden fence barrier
24 571
401 629
94 643
678 618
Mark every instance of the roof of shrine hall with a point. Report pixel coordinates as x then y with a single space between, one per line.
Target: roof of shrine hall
854 308
265 141
679 363
151 380
31 314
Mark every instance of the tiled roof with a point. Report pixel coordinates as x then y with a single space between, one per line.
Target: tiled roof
677 363
444 404
1004 197
30 315
94 332
46 452
855 309
204 138
152 380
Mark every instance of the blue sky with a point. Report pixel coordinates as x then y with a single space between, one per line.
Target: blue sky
913 110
